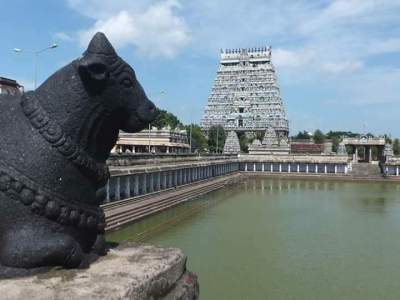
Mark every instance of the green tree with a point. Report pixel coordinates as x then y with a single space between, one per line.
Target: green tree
319 137
199 141
396 147
260 135
216 139
388 140
164 119
244 142
302 135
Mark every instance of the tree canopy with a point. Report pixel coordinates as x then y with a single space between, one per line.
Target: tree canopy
199 141
396 147
164 119
302 135
319 137
244 142
216 139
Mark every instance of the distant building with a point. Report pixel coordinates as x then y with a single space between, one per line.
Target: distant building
10 87
306 147
245 96
164 140
272 143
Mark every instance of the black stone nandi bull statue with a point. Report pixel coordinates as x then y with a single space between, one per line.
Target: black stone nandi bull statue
54 142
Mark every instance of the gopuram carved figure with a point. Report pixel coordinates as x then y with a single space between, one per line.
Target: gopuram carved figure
54 143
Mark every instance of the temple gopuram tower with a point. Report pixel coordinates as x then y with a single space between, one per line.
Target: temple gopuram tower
245 96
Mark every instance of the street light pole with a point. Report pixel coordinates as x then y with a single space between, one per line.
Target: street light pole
190 137
217 139
35 57
149 138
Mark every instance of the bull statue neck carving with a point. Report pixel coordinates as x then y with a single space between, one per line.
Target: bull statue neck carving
55 141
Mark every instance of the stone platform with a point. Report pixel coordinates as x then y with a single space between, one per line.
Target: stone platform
133 271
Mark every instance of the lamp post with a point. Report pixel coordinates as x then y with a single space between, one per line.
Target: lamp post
35 57
217 139
149 138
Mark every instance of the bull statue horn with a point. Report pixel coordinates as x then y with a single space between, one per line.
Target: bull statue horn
101 45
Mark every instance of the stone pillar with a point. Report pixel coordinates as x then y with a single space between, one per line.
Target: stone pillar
127 187
144 183
288 168
280 168
158 181
271 167
117 188
254 167
136 185
262 167
151 182
164 179
298 168
346 169
325 169
307 168
356 154
175 177
397 170
316 168
370 154
335 169
245 167
108 191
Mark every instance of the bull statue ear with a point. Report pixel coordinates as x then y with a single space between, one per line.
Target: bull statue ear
92 67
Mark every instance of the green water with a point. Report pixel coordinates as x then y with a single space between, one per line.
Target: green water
286 239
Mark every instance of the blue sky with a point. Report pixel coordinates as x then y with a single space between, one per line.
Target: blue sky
338 62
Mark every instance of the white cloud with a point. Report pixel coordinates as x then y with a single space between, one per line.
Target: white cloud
391 45
287 58
342 67
322 49
378 85
154 30
62 36
120 29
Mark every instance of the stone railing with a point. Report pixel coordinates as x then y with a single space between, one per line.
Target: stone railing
143 174
392 167
140 180
315 164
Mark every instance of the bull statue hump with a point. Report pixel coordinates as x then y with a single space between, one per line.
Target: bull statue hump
54 143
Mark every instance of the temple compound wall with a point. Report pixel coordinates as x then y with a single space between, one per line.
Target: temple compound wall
127 181
316 164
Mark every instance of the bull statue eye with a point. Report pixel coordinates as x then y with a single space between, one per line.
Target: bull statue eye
126 82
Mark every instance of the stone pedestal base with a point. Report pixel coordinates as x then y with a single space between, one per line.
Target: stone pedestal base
129 272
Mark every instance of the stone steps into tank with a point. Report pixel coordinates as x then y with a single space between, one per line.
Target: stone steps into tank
365 170
132 210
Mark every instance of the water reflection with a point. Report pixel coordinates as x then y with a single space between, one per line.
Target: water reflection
287 239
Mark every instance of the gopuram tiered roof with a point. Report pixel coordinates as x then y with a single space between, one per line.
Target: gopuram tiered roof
245 95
